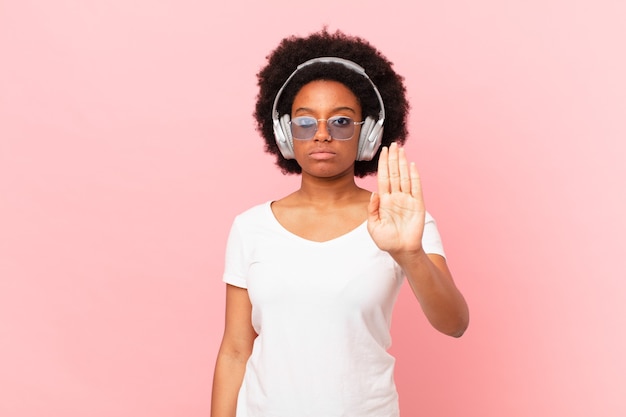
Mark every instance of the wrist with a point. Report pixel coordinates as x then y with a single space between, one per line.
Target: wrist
407 257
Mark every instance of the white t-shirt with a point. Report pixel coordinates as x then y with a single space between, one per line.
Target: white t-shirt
322 312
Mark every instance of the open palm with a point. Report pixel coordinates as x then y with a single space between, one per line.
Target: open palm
396 211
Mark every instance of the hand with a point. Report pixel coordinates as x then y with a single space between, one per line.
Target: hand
396 212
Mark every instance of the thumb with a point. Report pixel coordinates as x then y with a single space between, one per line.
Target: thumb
373 207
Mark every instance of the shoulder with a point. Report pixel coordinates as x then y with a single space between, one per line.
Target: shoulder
255 221
254 213
250 225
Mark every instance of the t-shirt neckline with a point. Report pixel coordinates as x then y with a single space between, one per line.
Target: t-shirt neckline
284 230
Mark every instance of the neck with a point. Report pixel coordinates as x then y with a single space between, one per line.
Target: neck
328 190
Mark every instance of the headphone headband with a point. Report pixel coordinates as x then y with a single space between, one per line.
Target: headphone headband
331 60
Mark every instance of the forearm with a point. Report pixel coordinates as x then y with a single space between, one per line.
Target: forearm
229 371
433 286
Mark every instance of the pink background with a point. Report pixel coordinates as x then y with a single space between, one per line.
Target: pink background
127 146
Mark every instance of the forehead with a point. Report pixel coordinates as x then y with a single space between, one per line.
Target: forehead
325 94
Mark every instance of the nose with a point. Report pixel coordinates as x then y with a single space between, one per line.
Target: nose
322 133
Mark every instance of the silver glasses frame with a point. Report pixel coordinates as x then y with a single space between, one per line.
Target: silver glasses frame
328 127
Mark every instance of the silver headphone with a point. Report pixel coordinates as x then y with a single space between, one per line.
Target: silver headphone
371 131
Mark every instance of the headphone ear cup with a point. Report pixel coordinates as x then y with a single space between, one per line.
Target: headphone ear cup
369 140
284 140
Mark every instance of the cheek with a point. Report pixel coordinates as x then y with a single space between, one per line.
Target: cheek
350 149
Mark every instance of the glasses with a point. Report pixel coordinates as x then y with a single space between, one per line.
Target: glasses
339 127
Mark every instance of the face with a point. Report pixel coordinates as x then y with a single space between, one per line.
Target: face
323 156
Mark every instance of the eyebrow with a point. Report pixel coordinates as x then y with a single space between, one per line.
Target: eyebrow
335 110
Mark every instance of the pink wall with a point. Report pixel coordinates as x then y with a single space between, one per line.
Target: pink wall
127 146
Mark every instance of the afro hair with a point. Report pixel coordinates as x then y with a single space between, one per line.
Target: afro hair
292 51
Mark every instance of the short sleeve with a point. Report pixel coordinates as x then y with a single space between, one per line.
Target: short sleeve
235 266
431 240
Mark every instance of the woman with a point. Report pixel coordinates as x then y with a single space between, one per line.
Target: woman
312 278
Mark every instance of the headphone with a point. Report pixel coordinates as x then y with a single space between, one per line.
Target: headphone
371 130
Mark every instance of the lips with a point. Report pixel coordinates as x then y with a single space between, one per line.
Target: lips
322 154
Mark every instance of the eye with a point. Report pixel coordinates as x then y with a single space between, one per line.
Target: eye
340 121
305 122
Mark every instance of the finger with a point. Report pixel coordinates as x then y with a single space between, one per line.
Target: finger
405 174
383 171
416 184
394 168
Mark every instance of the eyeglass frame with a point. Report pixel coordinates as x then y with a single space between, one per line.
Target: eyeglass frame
328 126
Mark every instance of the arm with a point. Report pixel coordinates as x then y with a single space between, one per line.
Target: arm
396 223
431 282
233 353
